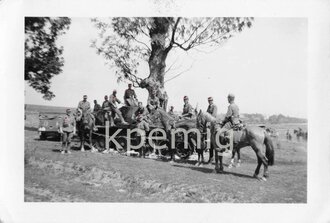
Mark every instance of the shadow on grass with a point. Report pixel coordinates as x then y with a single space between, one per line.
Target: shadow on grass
211 170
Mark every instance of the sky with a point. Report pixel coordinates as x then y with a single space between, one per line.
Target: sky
264 66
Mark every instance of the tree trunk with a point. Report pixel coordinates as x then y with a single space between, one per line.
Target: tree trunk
157 63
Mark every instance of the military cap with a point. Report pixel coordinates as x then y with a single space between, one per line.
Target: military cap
231 95
210 99
85 96
185 98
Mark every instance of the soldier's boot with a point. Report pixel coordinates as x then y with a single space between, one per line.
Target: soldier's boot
122 119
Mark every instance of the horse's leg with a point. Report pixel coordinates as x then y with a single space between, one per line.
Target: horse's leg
256 172
198 160
82 141
232 159
93 149
211 152
216 157
257 148
221 166
238 157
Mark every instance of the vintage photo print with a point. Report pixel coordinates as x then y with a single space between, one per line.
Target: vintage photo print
176 112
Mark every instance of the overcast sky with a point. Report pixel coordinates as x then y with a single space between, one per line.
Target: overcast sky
264 66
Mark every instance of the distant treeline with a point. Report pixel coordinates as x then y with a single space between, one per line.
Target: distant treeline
273 119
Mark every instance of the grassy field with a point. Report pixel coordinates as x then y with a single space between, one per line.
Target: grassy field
94 177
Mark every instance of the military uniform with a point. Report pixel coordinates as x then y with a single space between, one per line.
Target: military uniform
106 105
68 126
232 116
213 110
141 115
187 110
171 113
86 109
84 106
97 108
129 94
113 106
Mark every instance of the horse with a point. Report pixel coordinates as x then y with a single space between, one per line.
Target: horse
300 133
85 127
169 123
252 136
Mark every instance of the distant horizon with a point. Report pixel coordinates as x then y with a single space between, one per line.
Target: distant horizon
177 111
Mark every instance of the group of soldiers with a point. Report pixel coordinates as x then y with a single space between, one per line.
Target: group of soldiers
68 126
231 118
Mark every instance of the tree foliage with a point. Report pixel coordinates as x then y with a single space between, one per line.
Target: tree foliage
127 42
43 58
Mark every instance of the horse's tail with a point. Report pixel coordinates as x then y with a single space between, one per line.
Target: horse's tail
270 153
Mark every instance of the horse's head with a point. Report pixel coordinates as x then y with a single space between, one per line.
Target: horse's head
78 114
200 120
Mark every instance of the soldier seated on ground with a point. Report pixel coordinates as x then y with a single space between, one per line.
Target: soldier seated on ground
130 96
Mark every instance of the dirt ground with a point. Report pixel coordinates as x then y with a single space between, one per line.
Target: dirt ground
95 177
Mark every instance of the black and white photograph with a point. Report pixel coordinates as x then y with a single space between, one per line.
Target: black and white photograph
92 82
137 116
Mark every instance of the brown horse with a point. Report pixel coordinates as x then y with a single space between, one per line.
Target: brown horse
85 128
252 136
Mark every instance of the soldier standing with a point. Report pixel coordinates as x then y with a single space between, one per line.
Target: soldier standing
67 130
211 109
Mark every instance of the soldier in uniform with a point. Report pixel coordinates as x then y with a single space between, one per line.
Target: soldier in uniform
171 111
97 107
106 107
129 96
187 108
232 115
141 116
212 108
67 129
85 107
113 106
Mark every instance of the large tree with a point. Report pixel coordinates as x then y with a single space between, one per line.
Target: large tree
126 42
43 58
